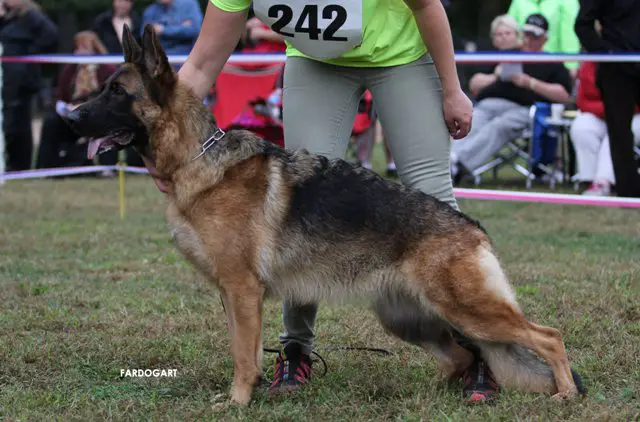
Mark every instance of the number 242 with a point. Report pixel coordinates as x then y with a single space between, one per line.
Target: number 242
285 14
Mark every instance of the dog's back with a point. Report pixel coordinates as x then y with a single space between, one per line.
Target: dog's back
333 229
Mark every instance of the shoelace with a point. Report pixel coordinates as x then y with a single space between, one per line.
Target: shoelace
327 348
320 358
333 348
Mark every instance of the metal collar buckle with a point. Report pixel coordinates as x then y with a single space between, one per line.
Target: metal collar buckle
219 133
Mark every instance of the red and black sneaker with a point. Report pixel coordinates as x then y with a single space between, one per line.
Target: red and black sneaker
292 371
479 385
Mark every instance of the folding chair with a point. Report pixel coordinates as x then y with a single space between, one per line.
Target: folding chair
526 147
515 149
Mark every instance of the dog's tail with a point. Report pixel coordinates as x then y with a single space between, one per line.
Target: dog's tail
516 367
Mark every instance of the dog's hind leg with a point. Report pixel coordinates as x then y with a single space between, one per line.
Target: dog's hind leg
476 297
453 358
401 315
243 297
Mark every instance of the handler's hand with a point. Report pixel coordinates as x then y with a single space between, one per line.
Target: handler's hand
457 110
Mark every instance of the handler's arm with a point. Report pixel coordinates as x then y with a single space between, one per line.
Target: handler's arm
217 39
436 33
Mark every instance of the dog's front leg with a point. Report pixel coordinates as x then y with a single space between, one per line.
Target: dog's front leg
243 296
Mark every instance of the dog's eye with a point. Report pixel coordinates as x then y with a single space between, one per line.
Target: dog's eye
117 89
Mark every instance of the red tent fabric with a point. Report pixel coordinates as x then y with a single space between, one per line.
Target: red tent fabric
237 86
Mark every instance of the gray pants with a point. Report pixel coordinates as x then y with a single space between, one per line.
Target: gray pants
320 103
496 121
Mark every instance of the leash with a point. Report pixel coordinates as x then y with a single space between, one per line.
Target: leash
381 351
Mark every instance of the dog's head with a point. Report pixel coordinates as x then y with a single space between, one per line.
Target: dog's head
132 99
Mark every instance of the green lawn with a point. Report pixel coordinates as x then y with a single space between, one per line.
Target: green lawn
85 295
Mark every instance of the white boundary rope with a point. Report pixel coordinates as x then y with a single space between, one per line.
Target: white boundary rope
251 58
482 194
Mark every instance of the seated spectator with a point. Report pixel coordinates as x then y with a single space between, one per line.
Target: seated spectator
259 38
504 37
24 29
109 25
589 135
502 109
176 22
76 84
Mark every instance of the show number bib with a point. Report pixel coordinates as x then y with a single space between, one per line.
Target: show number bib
322 29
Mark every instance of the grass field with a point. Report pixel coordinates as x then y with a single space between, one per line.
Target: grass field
84 295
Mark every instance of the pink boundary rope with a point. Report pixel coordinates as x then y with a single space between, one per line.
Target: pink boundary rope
550 198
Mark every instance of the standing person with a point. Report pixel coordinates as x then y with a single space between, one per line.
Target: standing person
619 83
24 30
176 22
402 52
589 135
561 15
109 25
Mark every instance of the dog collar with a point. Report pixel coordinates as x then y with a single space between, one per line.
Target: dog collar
219 133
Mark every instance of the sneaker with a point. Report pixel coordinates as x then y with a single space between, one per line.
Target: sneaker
479 385
292 371
598 189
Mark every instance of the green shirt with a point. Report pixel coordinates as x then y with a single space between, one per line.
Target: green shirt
390 34
561 15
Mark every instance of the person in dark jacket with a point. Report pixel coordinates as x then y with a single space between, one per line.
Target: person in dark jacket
24 29
619 83
109 25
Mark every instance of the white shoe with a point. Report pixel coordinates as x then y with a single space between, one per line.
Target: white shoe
598 189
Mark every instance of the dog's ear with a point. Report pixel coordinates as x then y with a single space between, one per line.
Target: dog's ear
155 59
132 51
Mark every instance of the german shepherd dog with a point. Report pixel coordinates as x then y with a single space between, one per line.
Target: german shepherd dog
259 221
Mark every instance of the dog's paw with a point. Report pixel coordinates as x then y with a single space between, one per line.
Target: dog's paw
241 395
565 395
219 403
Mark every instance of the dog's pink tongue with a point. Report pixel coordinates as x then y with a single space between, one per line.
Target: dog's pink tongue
92 149
162 186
